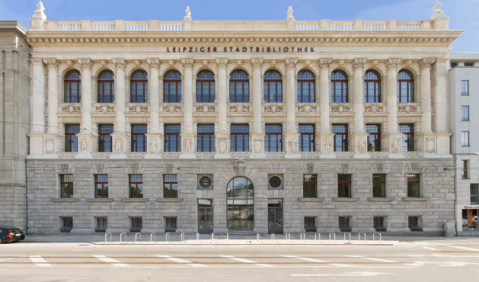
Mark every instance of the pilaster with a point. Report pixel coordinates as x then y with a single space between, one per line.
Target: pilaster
119 145
291 145
324 86
360 145
52 65
155 145
188 145
393 145
391 94
326 145
85 145
257 94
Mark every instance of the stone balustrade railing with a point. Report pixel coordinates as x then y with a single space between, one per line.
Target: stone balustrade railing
321 25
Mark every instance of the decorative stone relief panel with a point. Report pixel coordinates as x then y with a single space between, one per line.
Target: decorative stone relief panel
104 108
172 108
222 145
375 108
138 108
188 145
49 146
274 108
341 108
239 166
71 108
310 155
408 108
239 108
307 108
205 108
275 155
431 145
240 155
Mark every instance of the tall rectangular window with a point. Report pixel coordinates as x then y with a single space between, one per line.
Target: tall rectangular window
71 139
172 138
170 186
465 87
340 137
465 113
66 185
101 224
379 185
465 139
136 224
344 185
465 169
474 193
306 138
413 185
138 137
310 224
101 186
374 137
239 138
136 186
310 186
408 137
104 137
273 138
206 138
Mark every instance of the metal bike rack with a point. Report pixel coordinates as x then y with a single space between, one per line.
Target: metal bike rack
272 236
106 235
167 237
182 237
380 236
257 236
136 236
359 236
345 236
152 237
197 236
319 236
334 236
302 236
121 234
212 236
287 236
227 237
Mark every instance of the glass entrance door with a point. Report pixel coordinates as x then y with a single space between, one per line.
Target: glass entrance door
275 216
205 216
240 204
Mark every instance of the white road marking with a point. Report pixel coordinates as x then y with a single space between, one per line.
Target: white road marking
429 248
39 261
113 262
465 248
375 259
238 259
350 274
265 265
306 259
182 261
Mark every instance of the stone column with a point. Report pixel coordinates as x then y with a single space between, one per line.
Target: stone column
393 138
359 138
187 135
441 104
257 135
291 136
325 137
38 143
52 65
154 137
222 134
85 137
119 136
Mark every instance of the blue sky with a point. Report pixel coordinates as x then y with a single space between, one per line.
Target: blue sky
463 14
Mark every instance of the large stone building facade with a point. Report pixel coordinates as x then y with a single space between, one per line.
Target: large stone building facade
206 126
14 124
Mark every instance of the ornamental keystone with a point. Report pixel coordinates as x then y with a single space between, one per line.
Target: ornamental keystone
119 63
85 63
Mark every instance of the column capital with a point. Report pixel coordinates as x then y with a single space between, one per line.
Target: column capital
393 63
427 62
358 63
51 63
222 62
37 62
291 62
85 63
325 62
187 62
257 62
120 63
153 62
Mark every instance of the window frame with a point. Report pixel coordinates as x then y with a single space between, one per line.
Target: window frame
465 169
104 185
103 226
377 186
379 223
134 90
464 87
167 82
169 228
68 184
170 188
66 220
234 138
344 223
310 224
306 136
410 185
407 138
135 142
312 186
200 82
208 136
278 95
136 223
343 189
135 186
234 82
410 93
67 87
102 136
101 87
411 220
465 139
344 88
71 138
374 138
278 136
376 96
168 137
302 96
344 139
474 186
465 113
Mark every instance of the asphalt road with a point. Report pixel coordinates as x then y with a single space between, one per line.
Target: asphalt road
424 260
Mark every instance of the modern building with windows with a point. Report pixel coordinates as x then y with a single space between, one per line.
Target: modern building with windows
234 126
463 102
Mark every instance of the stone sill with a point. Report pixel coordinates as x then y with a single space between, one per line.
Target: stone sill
64 200
173 200
133 200
100 200
352 199
311 199
414 199
380 199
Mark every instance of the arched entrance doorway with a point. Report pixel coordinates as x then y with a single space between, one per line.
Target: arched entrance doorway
240 204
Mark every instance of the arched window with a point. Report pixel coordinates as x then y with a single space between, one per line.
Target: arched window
372 87
139 87
205 87
405 87
339 87
240 204
72 91
106 87
305 87
172 87
239 87
273 87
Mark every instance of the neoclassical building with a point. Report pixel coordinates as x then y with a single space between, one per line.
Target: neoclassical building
240 127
